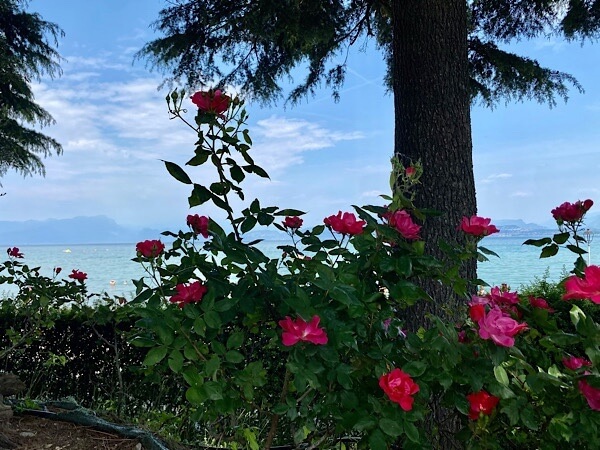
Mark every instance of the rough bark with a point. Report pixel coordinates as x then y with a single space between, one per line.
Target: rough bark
432 105
433 124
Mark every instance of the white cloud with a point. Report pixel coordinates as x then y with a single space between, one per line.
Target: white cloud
280 142
494 177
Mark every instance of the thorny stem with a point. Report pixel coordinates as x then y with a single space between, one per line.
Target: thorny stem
275 417
223 179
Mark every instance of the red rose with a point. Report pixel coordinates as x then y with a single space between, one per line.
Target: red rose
198 224
481 403
190 293
571 212
150 248
476 312
410 171
402 221
77 275
14 252
293 222
345 223
478 226
214 102
399 387
540 303
57 270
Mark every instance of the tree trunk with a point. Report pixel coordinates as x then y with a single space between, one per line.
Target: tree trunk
433 123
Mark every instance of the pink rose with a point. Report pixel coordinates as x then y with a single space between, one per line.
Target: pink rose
591 394
293 222
299 330
574 363
191 293
571 212
198 224
500 328
77 275
540 303
345 223
214 102
584 288
478 226
150 248
14 252
402 221
399 387
481 403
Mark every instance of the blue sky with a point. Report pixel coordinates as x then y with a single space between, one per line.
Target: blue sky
322 156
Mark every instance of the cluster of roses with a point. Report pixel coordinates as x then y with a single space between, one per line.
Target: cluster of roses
571 213
75 274
153 248
493 314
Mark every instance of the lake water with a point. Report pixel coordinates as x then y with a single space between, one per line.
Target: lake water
110 267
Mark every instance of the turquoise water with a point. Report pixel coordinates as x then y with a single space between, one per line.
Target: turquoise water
110 269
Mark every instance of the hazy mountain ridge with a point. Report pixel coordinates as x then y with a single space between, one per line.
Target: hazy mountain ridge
76 230
104 230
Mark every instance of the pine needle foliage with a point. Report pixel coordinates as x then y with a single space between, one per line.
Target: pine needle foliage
27 52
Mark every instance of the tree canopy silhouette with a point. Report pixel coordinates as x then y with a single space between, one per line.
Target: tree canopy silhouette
27 51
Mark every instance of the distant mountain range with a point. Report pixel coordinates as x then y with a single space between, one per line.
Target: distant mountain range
77 230
104 230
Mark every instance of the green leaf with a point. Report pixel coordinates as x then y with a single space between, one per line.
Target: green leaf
200 195
365 423
259 171
391 427
549 250
289 212
200 158
265 219
501 375
487 251
235 340
177 172
155 355
411 431
415 368
233 356
237 174
538 242
576 249
212 319
248 223
176 361
377 441
213 390
561 238
212 365
195 395
219 188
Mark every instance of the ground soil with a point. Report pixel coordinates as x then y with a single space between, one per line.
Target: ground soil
36 433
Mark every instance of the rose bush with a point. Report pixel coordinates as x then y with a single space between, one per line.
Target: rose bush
309 348
37 297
